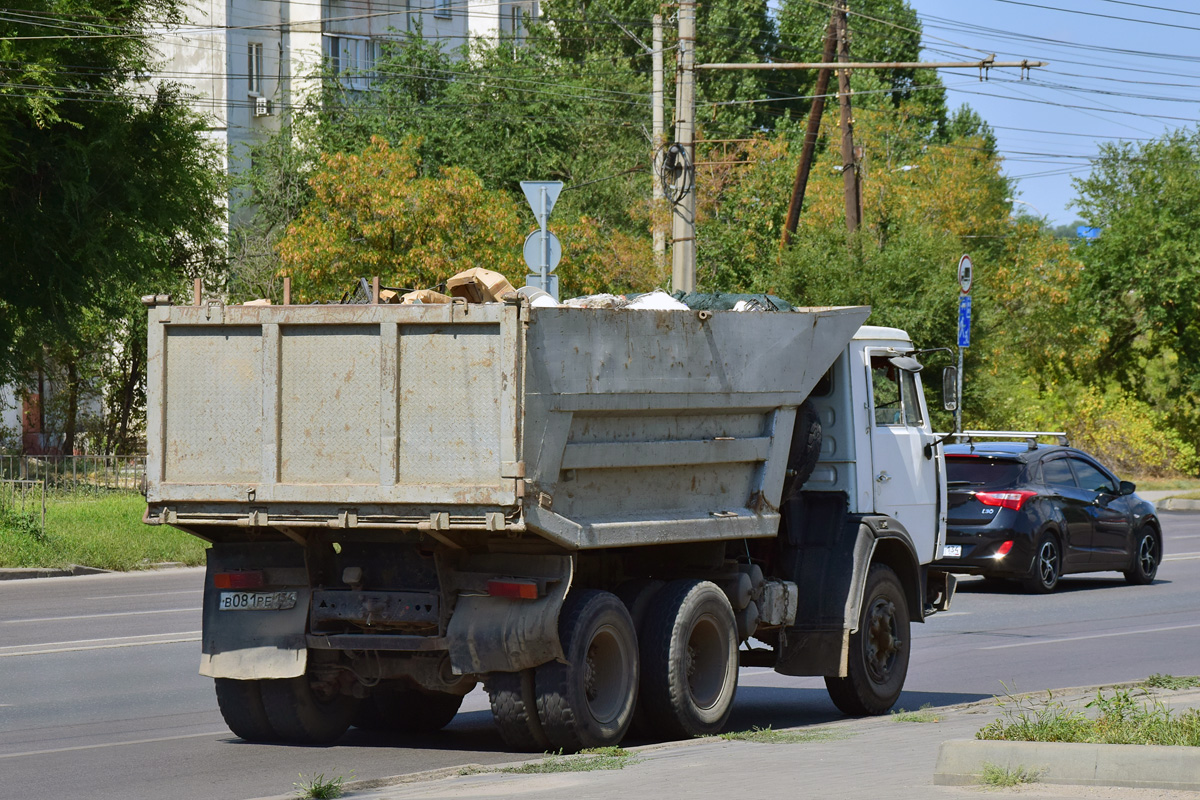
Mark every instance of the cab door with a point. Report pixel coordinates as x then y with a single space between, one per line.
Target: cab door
906 483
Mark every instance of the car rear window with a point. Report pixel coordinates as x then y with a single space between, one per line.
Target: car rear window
978 471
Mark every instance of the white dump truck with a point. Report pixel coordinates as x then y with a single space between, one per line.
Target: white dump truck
598 514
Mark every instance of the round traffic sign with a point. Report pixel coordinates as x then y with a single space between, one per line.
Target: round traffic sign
533 250
966 274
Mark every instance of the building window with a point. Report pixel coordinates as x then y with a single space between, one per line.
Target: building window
254 67
441 8
352 59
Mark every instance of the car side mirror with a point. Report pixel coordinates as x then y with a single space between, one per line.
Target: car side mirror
1127 488
950 388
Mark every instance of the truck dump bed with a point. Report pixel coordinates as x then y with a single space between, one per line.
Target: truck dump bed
588 427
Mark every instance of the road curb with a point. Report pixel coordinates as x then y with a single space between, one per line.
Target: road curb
21 573
1177 504
1135 766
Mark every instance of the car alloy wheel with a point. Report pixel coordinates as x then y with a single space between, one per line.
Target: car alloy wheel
1047 566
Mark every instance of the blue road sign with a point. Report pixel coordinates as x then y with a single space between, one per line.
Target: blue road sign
964 320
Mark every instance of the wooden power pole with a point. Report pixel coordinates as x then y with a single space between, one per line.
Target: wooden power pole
811 132
683 254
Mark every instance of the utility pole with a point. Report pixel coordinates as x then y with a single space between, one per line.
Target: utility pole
683 213
811 132
657 140
851 187
843 65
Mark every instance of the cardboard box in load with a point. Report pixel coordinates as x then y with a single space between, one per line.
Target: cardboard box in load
424 296
479 285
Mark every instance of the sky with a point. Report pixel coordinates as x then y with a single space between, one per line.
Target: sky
1119 70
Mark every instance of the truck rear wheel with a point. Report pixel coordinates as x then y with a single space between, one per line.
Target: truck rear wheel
303 712
589 701
689 660
514 707
241 705
878 660
404 709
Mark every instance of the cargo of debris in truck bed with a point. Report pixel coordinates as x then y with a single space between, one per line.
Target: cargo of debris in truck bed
589 427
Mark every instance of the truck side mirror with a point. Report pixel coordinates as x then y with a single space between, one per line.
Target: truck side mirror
950 388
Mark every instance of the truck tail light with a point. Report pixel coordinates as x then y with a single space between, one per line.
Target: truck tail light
246 579
1003 549
1013 500
518 589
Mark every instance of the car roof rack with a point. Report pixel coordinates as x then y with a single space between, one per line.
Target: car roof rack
1030 437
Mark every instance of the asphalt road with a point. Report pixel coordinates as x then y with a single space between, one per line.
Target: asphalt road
99 696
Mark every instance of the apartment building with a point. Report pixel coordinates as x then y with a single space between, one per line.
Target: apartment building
250 62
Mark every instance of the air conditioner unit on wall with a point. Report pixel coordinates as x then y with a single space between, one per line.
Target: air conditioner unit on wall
263 107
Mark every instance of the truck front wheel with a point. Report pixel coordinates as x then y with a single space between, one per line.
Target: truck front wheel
241 705
878 658
689 660
304 712
589 701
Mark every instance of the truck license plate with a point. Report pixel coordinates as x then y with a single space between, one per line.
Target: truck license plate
256 601
952 551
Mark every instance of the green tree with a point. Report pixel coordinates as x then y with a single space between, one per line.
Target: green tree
373 213
1142 282
109 189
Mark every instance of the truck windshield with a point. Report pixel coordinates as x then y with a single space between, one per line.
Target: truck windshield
978 471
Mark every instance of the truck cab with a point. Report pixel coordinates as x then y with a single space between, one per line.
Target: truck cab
877 441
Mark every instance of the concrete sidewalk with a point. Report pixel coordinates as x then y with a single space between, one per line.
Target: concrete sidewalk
881 757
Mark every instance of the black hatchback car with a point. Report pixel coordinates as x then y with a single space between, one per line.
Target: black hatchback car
1034 512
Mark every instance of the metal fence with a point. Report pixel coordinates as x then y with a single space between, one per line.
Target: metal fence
24 497
72 474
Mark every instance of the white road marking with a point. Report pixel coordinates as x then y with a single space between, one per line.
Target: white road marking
1092 636
92 641
941 614
114 744
94 616
34 652
1182 557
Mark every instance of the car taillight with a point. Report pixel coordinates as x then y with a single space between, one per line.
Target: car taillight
1003 549
1013 500
248 579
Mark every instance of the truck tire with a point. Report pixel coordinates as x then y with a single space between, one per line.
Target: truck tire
302 714
403 709
689 660
637 595
589 700
806 444
514 707
241 705
879 650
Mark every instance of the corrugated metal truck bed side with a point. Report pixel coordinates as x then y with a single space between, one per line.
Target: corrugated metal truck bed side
589 427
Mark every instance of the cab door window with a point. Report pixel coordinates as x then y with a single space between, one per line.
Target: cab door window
1090 478
897 401
1058 473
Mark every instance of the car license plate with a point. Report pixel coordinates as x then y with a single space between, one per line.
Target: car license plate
952 551
256 601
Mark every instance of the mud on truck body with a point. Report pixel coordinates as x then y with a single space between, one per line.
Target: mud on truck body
598 514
